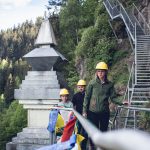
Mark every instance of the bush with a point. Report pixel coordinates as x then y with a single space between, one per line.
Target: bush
12 121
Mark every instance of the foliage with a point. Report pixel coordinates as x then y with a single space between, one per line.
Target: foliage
82 32
12 121
145 120
96 44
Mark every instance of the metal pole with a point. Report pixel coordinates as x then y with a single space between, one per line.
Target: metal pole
127 139
135 56
134 119
51 138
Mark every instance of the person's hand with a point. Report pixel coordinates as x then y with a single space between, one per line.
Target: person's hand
84 115
126 103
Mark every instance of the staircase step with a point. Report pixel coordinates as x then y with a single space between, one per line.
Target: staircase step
143 36
143 71
142 92
140 79
143 80
139 69
140 53
144 83
142 65
145 75
140 102
136 105
143 44
145 41
131 121
141 96
142 89
142 48
130 126
145 61
143 58
143 68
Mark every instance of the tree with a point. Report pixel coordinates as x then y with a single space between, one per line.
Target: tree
12 121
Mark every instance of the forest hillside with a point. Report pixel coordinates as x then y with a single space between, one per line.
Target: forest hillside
84 37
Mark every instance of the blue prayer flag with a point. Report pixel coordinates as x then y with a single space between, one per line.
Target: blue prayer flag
52 120
61 146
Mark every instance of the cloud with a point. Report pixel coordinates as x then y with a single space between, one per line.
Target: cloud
9 4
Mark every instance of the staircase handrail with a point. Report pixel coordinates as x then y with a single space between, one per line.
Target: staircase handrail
122 13
111 4
127 88
108 140
111 9
125 12
135 108
127 20
143 19
119 109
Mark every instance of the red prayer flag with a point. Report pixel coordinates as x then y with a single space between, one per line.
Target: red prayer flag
68 130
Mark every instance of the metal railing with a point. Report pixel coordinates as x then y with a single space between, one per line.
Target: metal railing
134 117
123 139
116 9
136 108
135 27
129 24
130 84
142 21
115 140
112 8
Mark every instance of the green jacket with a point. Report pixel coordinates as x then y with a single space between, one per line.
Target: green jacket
97 96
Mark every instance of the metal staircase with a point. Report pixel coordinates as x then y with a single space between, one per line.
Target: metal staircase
138 88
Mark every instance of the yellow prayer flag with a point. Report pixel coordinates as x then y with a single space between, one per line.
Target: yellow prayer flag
80 138
59 124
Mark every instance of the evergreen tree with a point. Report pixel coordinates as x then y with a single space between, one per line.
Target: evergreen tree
12 121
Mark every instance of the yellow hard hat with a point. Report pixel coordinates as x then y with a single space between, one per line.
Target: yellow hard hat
64 92
81 82
101 65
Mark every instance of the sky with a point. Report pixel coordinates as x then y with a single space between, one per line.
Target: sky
13 12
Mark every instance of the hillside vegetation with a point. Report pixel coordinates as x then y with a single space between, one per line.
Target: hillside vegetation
84 37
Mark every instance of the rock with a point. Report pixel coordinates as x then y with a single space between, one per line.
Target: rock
81 67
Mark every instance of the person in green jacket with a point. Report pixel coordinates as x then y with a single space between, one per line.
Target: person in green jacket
96 102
